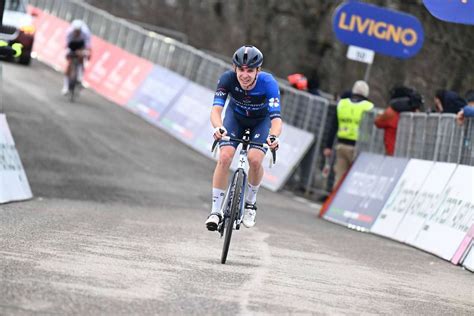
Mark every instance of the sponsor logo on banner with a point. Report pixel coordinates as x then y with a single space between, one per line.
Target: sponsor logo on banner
402 197
156 93
452 218
425 203
365 190
117 74
50 40
189 113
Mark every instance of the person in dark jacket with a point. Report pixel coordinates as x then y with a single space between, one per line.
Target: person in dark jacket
402 99
468 110
447 101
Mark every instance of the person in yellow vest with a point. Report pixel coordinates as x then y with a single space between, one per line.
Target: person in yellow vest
346 125
10 50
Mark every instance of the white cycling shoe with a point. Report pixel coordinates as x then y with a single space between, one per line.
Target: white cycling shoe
213 221
249 215
64 90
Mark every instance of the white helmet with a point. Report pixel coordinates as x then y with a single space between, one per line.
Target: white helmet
77 25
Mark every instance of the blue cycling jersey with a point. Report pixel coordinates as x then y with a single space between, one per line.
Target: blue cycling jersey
261 101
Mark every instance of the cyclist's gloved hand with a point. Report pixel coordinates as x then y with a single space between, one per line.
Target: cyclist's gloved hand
219 132
273 142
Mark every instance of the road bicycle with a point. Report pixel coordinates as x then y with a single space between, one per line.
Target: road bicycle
74 83
233 205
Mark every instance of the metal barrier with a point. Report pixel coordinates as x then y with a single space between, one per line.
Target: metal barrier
370 138
434 137
467 145
425 136
299 109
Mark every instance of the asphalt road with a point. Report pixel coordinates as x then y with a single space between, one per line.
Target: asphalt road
117 227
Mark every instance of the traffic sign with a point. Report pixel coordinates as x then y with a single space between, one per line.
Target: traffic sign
360 54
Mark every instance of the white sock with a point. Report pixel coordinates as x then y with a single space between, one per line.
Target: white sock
252 193
66 82
217 199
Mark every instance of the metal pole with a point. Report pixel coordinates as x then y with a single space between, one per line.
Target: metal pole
367 72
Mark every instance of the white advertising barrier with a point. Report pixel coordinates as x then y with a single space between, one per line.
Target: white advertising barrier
426 202
444 231
468 262
14 185
402 196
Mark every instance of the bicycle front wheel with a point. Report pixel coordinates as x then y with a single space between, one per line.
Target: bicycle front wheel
72 87
235 195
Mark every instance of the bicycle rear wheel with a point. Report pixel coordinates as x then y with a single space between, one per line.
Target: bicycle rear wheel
73 79
72 87
235 195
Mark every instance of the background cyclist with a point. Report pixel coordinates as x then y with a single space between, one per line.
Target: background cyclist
78 42
254 102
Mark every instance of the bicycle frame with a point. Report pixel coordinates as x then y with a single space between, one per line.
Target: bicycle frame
75 65
236 190
242 165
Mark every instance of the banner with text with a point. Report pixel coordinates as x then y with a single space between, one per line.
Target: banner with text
425 203
365 190
444 231
14 185
157 93
402 197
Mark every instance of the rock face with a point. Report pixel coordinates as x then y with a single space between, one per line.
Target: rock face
297 36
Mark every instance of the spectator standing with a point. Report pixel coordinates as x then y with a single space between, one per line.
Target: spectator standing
447 101
402 99
346 123
468 110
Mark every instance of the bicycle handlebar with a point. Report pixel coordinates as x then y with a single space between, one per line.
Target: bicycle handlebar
232 139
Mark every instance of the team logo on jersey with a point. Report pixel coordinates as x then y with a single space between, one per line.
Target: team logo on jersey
256 136
220 93
274 102
238 90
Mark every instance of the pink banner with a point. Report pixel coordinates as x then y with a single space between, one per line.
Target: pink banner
463 246
111 71
115 73
50 43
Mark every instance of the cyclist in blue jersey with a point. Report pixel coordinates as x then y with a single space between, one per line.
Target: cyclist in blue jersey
254 102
